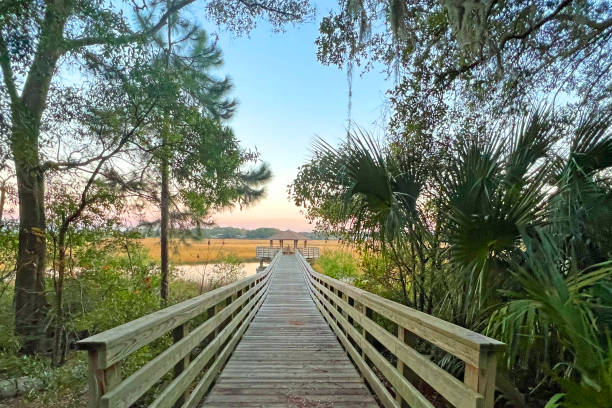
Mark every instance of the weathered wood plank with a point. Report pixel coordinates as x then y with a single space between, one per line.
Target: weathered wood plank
289 356
400 384
381 392
173 391
344 305
211 374
453 390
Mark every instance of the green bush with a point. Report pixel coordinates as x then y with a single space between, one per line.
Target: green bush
103 288
338 264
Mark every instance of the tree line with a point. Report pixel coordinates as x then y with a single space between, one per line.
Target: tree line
116 103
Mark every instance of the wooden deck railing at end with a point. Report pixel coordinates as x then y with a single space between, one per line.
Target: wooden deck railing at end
350 312
228 311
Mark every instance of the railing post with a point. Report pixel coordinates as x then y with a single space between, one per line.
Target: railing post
401 336
482 378
177 334
101 380
367 313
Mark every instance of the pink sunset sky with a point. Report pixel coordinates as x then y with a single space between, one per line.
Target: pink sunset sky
287 98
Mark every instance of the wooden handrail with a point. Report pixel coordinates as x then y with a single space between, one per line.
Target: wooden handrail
266 251
228 309
309 252
349 312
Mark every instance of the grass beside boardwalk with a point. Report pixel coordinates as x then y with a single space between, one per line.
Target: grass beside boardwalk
215 250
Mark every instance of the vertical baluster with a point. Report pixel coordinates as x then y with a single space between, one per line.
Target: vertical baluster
401 335
481 378
177 334
101 380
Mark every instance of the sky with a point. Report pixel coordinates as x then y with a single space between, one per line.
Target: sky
286 99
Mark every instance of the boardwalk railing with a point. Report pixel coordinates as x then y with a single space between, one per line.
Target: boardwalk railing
266 252
352 313
309 252
228 311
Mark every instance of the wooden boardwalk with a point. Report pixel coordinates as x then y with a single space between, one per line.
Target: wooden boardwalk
273 340
289 356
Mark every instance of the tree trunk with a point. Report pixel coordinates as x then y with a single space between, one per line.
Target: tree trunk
2 200
58 345
30 302
164 204
26 113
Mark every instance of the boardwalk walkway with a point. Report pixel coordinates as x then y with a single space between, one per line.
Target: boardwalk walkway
289 356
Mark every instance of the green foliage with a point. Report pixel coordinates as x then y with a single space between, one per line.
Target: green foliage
229 269
454 58
110 287
552 309
261 233
379 275
9 342
8 251
114 283
590 394
507 231
338 264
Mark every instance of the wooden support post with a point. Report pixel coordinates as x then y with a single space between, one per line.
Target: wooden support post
234 298
401 336
177 334
482 378
210 312
363 309
344 313
101 381
351 302
217 308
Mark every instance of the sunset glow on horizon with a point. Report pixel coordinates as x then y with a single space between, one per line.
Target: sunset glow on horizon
287 99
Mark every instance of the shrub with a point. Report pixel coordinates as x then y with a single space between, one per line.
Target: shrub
338 264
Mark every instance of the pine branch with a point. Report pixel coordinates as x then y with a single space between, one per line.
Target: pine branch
71 45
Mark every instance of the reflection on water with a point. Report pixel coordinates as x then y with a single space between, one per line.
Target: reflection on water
199 272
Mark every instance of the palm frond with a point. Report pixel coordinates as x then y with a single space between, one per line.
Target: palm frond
380 189
550 305
591 148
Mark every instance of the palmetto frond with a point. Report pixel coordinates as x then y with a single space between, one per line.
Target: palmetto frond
581 209
591 149
495 189
551 306
380 189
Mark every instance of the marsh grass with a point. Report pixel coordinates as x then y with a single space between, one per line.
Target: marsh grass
216 250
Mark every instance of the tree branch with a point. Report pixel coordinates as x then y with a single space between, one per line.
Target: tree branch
84 200
535 26
596 25
126 39
252 5
449 76
7 71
